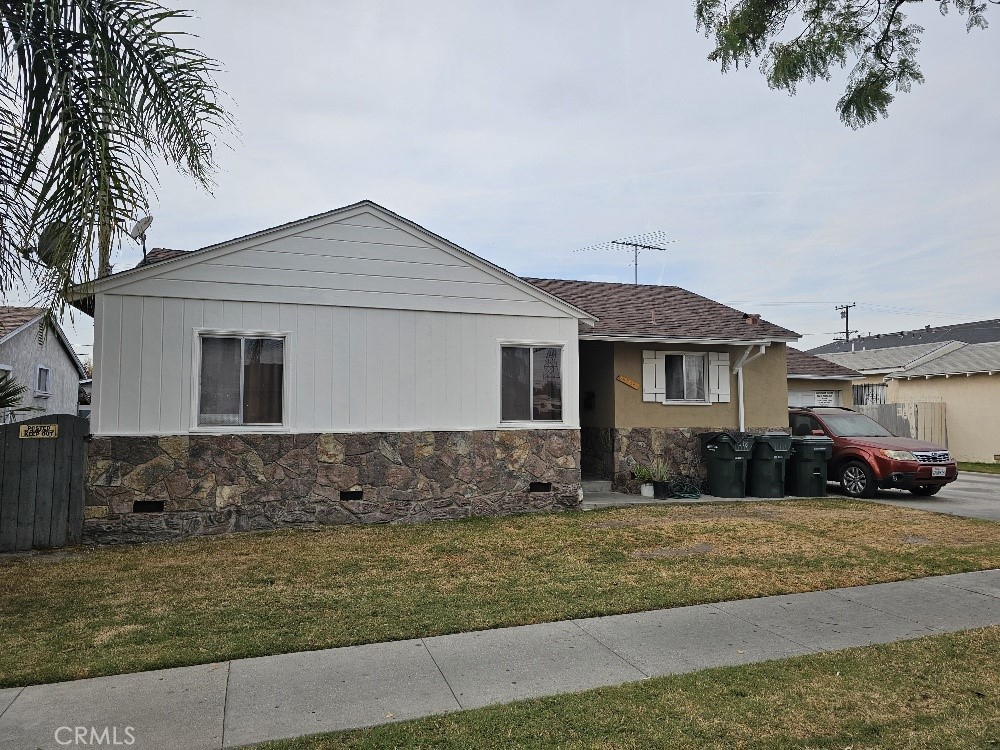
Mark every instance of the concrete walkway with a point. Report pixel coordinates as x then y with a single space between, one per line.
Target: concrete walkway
254 700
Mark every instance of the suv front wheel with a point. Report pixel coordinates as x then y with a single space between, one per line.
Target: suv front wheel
857 480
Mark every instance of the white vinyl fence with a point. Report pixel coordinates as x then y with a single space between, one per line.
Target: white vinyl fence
924 420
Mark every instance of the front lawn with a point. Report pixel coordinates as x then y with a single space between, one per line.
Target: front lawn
982 468
130 609
937 692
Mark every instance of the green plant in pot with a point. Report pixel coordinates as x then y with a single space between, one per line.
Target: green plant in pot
660 477
644 475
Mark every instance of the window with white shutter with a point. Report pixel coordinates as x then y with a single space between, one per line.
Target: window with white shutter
677 377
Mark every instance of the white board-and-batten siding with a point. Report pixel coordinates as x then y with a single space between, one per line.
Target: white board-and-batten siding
381 336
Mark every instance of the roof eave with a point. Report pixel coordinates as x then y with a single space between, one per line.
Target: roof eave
796 376
626 339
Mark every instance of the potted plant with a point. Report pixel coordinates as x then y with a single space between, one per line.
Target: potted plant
660 477
643 475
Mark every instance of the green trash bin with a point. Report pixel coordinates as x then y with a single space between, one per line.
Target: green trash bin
767 467
805 470
726 456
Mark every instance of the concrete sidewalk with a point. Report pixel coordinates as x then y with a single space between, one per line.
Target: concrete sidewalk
253 700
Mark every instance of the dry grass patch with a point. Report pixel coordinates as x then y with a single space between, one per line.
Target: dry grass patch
136 608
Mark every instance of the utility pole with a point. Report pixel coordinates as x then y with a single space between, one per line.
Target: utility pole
845 314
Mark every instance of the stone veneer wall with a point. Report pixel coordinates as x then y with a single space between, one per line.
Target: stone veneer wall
212 484
680 449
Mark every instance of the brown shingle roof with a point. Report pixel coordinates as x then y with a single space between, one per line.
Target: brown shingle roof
12 318
800 363
658 312
160 254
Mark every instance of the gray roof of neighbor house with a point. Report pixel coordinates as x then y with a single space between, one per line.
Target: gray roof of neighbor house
642 311
805 365
883 359
13 318
978 332
971 358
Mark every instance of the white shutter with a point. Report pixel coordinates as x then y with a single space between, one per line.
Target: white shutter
654 376
718 377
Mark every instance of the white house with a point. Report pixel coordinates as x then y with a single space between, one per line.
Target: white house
37 354
351 366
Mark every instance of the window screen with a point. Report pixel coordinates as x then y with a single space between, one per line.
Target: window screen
685 377
42 386
531 383
241 381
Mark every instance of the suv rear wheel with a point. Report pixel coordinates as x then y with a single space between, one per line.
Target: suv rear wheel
925 491
857 480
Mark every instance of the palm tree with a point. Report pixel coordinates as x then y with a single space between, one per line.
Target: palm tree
94 95
11 393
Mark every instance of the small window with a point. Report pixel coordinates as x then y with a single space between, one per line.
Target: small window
685 377
42 381
5 372
531 383
241 381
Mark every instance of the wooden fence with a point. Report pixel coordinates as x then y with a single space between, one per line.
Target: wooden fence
41 482
924 420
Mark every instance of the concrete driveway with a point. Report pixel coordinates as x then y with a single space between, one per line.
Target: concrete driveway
971 495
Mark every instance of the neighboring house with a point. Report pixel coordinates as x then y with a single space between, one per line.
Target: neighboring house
814 381
978 332
38 356
662 365
967 379
876 364
347 367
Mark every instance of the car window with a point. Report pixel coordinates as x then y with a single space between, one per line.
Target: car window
803 424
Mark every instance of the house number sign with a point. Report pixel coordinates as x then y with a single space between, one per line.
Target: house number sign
39 431
628 381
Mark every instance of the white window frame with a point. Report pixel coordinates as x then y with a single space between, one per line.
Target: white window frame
703 356
39 393
561 346
287 400
6 371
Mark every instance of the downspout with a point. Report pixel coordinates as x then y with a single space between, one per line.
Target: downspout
745 359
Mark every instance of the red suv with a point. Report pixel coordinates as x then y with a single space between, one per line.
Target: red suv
867 457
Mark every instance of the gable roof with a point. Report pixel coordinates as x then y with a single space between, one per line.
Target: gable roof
802 365
968 359
657 313
14 320
978 332
82 295
885 360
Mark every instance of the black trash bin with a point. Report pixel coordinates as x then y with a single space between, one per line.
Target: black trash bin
805 471
767 467
726 455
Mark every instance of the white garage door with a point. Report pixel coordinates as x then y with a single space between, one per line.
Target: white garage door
814 398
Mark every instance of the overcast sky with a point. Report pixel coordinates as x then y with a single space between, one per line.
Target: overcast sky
524 131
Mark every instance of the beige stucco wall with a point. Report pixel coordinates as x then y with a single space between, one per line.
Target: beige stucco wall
765 387
597 376
844 386
973 410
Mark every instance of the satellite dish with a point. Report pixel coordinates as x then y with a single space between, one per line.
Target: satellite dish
139 231
52 242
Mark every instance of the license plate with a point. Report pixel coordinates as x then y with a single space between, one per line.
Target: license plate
939 471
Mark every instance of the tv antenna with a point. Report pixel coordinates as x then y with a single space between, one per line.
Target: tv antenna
139 232
648 241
